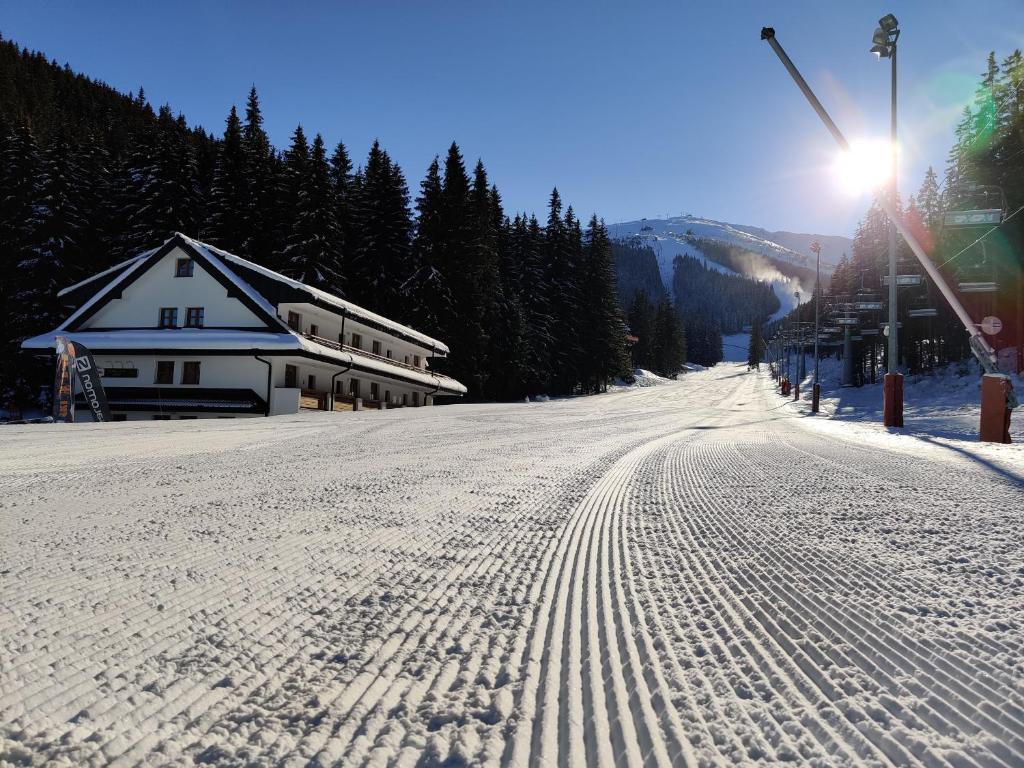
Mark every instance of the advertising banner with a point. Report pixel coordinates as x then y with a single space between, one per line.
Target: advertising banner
90 384
64 382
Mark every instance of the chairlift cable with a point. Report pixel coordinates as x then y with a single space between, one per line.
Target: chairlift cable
982 237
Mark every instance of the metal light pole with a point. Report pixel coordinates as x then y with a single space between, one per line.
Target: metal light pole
1000 407
816 389
884 47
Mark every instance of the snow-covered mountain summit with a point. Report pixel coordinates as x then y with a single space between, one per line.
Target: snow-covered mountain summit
790 247
782 258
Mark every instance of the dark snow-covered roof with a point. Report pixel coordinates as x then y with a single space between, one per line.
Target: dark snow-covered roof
223 260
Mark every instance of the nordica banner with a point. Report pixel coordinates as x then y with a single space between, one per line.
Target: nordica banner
89 382
64 382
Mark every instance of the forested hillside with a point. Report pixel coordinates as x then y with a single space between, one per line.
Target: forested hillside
731 302
707 304
90 176
746 262
636 269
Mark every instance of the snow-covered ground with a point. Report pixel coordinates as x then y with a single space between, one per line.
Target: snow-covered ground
692 573
944 405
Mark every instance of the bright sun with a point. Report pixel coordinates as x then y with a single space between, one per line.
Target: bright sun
864 167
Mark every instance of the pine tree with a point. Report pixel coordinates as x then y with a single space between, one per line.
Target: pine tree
426 291
261 172
928 200
381 257
229 194
641 325
163 191
669 342
311 252
755 349
19 225
603 328
341 184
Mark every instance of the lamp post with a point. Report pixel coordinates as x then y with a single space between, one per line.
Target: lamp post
816 389
884 47
798 366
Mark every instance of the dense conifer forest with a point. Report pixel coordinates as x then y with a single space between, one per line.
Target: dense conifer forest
746 262
636 269
90 176
984 169
708 303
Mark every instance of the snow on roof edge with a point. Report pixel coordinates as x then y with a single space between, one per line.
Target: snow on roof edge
239 340
328 297
107 271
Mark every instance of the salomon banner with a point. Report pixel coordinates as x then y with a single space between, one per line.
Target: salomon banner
90 384
64 382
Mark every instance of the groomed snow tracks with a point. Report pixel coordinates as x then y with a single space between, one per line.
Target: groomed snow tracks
679 575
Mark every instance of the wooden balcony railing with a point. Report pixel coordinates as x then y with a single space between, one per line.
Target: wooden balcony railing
355 351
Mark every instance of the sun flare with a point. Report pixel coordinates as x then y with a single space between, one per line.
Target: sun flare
864 167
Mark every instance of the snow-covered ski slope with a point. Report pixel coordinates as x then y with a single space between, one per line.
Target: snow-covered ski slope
674 575
785 246
667 237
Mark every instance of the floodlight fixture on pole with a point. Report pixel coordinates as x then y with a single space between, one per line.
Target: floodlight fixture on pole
979 344
885 38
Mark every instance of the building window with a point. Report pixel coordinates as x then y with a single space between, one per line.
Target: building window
119 417
183 268
311 381
376 347
165 372
194 317
388 354
416 398
353 387
294 319
374 390
357 341
168 317
387 396
416 361
406 359
314 330
405 399
120 373
337 388
183 416
161 417
190 372
291 376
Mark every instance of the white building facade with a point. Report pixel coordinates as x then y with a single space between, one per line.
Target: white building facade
189 331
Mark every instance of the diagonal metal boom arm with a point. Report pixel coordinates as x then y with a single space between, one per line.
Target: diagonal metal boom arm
979 344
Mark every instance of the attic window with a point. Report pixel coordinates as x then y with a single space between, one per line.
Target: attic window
184 268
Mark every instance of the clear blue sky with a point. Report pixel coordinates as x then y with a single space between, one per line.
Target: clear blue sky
631 109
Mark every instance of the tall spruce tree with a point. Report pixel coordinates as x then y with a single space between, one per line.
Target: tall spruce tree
602 329
311 252
381 257
262 174
229 193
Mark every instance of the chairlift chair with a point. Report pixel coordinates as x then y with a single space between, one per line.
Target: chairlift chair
973 205
979 277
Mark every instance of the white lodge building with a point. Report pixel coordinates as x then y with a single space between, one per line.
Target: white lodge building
188 330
